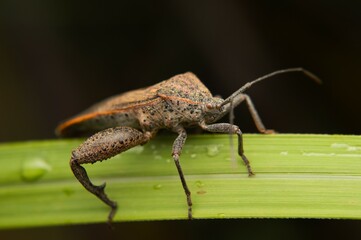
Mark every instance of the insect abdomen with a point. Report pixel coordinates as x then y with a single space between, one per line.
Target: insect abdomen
91 123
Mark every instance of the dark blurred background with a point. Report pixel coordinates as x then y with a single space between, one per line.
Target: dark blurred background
59 57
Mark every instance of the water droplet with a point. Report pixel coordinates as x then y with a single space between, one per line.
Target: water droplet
221 215
34 169
193 155
284 153
353 148
307 154
355 155
199 184
346 146
157 186
212 150
339 145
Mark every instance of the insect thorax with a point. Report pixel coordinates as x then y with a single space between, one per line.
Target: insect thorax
169 113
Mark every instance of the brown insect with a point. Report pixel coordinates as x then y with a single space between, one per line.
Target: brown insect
134 117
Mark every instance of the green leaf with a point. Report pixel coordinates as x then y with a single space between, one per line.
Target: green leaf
297 176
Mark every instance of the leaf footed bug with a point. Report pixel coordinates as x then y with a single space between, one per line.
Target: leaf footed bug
133 118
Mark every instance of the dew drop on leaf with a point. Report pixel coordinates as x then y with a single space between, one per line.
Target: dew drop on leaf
34 169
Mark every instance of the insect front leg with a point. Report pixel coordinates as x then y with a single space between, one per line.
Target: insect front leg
176 152
101 146
229 128
238 99
256 118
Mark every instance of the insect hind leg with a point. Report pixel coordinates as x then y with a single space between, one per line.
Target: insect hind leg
101 146
81 174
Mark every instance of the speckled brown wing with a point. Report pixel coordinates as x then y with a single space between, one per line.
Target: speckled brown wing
123 101
96 117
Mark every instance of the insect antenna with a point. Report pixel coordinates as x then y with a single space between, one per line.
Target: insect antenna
287 70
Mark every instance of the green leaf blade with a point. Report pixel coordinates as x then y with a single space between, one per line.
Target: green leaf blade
297 176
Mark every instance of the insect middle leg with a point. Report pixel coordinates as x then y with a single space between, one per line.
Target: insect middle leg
229 128
101 146
176 152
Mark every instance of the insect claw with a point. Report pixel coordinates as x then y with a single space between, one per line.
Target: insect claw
269 131
112 213
246 162
251 174
190 217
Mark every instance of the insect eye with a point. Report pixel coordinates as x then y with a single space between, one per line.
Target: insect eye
209 106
